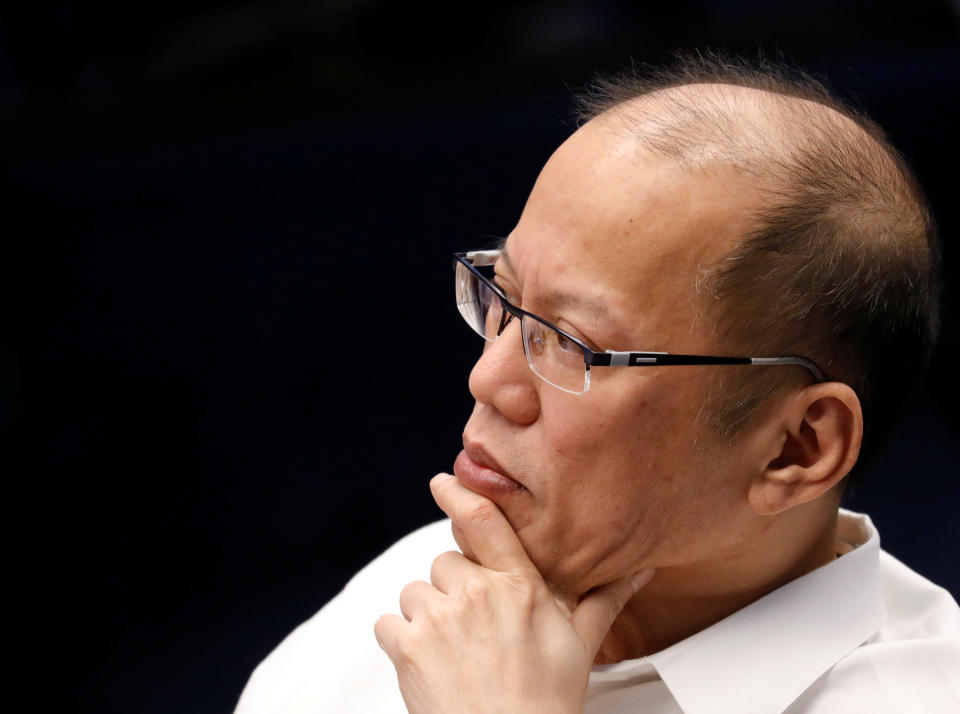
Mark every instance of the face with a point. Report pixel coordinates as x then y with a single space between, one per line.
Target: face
623 476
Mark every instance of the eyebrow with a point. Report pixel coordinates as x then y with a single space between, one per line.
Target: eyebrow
559 298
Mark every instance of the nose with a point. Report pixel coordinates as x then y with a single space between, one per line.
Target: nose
501 378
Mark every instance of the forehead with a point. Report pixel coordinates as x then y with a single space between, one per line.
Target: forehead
608 222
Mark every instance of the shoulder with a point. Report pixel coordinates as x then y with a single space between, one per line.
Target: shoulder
916 608
916 654
910 665
334 653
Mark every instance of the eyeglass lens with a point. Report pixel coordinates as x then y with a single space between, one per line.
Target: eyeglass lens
551 355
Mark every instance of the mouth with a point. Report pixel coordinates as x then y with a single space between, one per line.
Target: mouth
479 472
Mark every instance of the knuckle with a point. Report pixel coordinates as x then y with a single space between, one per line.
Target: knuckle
435 619
405 653
475 591
441 562
407 590
380 628
523 590
480 512
445 558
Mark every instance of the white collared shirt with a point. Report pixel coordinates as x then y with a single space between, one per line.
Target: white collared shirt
862 633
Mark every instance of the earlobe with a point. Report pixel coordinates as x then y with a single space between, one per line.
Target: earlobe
813 441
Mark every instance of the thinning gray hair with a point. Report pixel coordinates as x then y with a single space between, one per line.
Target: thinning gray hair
842 264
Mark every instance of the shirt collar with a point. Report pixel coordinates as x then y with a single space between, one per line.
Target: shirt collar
765 655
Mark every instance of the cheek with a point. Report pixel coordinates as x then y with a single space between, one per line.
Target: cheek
636 436
600 435
575 436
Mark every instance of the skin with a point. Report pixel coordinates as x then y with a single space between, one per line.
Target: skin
623 479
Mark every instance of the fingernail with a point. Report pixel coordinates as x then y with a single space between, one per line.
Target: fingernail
641 578
442 477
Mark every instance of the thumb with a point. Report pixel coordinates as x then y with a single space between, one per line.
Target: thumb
597 611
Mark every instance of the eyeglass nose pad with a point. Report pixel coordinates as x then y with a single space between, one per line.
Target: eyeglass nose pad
504 321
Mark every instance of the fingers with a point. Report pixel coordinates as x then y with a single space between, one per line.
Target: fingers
462 543
450 570
597 611
414 598
489 534
388 630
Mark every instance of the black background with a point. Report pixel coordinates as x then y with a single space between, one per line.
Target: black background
230 359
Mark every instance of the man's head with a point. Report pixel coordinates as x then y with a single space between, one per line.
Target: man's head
660 211
841 263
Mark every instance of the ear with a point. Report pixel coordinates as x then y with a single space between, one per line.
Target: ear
809 443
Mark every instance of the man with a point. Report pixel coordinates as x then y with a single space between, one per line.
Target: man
651 532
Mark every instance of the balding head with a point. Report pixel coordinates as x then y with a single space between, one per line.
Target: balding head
840 263
755 131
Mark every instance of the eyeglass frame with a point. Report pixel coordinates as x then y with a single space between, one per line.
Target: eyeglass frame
614 358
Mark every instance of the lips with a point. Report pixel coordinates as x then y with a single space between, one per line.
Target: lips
479 472
479 455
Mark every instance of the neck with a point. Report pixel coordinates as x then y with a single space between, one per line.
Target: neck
685 599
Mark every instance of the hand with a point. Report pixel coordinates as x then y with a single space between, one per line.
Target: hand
488 636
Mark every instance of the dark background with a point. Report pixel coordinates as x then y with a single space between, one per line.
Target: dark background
230 359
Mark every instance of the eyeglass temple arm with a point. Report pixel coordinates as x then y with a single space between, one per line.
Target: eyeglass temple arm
611 358
799 361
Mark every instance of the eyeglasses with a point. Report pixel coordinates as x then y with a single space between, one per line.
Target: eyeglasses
556 356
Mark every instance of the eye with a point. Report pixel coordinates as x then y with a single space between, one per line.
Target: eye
576 334
564 349
567 345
